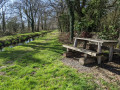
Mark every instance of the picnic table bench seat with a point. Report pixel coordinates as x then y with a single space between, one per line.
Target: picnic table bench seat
98 42
89 52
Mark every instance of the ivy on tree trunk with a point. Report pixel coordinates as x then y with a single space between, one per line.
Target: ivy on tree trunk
70 5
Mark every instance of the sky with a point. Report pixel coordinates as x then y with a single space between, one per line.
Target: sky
16 0
12 0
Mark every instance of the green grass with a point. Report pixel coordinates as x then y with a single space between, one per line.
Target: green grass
7 40
37 66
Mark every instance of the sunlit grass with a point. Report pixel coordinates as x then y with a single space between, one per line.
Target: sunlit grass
37 66
7 40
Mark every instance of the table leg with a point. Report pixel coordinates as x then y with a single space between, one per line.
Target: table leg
68 50
111 53
75 43
99 51
84 46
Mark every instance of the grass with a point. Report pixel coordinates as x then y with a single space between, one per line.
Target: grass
37 66
7 40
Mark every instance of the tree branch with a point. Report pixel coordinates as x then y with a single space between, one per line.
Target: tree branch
113 3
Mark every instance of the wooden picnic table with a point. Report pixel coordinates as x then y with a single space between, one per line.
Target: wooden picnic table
99 43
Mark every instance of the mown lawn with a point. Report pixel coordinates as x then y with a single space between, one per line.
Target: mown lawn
38 66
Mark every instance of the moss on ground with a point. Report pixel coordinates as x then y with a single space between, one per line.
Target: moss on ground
7 40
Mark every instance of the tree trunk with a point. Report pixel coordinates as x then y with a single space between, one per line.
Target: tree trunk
70 5
59 24
42 23
32 25
45 21
119 40
71 25
38 24
3 21
28 24
22 22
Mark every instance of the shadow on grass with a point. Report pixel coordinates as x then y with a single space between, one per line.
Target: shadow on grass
21 57
25 57
43 46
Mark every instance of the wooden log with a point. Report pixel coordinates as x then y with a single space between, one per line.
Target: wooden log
68 54
85 61
90 60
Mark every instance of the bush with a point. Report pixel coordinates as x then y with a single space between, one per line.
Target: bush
108 33
84 25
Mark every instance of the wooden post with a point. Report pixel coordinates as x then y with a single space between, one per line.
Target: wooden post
119 40
84 46
75 43
85 55
68 49
111 53
99 51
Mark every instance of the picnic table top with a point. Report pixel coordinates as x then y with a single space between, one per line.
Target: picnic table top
97 40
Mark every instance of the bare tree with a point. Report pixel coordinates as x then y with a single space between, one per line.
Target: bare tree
31 9
59 7
19 10
3 21
3 8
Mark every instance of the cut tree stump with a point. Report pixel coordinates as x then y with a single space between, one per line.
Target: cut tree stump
85 61
89 60
68 54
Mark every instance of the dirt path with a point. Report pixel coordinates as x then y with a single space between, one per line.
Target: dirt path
109 72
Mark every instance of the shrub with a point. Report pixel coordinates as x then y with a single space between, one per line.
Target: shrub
108 33
84 25
0 44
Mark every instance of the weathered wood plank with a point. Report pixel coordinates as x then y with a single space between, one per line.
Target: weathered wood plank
99 51
85 61
75 43
89 52
97 40
85 43
111 53
68 50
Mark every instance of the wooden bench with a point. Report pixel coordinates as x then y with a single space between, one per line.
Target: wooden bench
89 52
99 43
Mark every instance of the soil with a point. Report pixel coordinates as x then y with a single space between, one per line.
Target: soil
108 71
